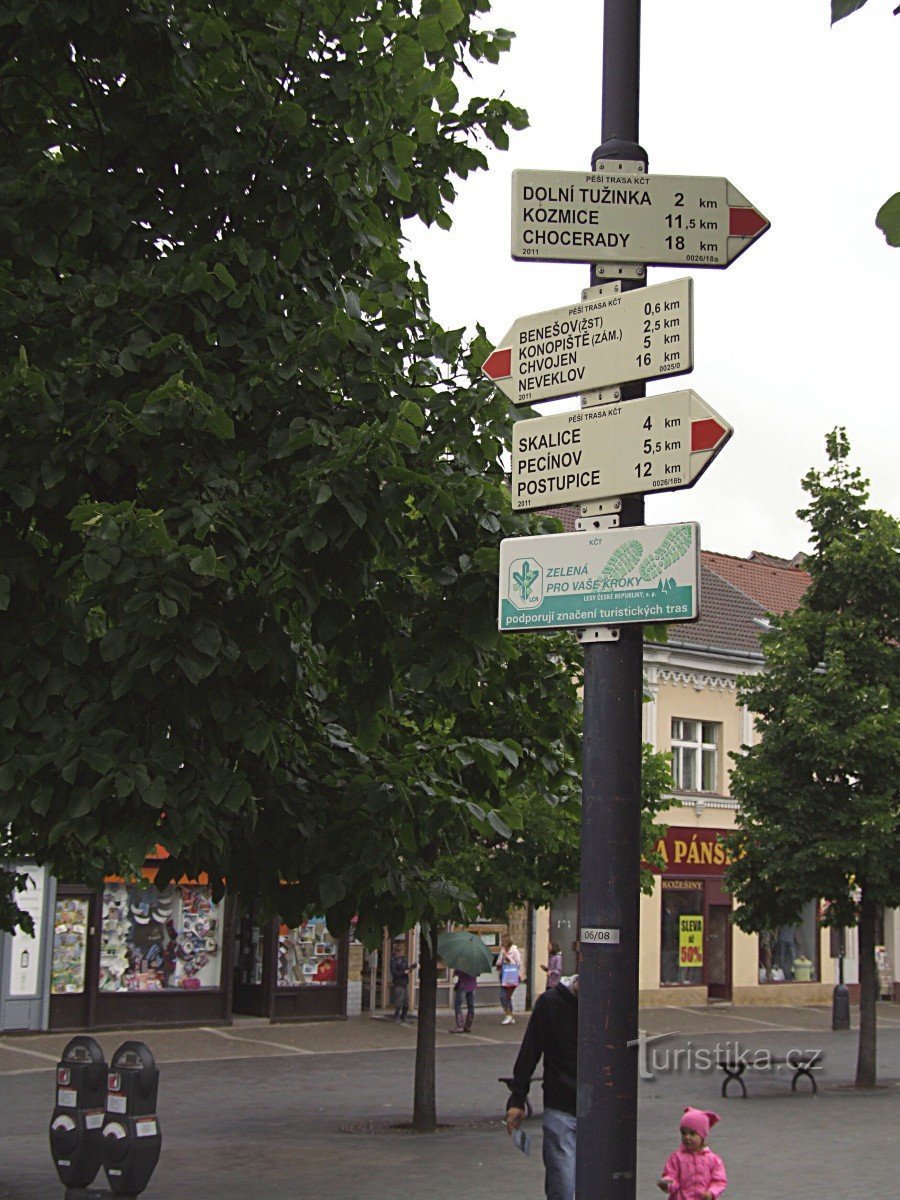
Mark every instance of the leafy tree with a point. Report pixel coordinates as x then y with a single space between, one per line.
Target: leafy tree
250 510
819 802
888 217
534 859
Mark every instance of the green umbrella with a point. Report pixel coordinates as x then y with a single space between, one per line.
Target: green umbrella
465 951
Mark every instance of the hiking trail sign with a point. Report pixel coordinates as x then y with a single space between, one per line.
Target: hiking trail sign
660 220
613 338
641 574
655 444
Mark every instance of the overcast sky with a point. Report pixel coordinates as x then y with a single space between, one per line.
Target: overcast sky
802 332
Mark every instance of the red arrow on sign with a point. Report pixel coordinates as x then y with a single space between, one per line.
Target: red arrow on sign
706 434
746 222
499 364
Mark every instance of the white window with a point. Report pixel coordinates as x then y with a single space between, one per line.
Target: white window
695 755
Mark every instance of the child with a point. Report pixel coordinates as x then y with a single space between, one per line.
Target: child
554 965
694 1172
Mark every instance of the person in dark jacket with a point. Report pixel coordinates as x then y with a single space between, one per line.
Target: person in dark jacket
400 967
552 1032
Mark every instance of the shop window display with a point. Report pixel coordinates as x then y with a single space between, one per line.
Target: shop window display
70 921
159 940
307 955
787 954
681 958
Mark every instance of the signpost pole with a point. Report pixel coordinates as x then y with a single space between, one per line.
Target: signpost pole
606 1165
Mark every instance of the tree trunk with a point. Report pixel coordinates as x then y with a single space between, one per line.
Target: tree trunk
868 993
424 1098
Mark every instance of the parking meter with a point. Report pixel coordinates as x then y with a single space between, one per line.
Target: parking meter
131 1136
75 1128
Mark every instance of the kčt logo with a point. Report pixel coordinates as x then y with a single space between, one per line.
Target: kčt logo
526 582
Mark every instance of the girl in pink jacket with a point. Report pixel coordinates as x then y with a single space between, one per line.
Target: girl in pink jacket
694 1172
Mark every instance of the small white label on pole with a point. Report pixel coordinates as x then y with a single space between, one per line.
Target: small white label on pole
604 937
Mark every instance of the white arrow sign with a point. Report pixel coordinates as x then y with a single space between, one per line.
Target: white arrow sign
571 216
654 444
615 338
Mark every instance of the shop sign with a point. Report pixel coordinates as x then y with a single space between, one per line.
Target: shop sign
690 941
686 851
26 947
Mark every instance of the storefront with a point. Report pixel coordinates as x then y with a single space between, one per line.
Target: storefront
696 932
289 973
788 954
135 954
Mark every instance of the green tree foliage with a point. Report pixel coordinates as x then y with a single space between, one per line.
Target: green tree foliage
888 216
819 801
539 860
529 854
843 8
252 493
11 915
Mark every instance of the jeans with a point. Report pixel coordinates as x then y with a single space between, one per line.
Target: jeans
506 995
559 1154
458 1002
401 999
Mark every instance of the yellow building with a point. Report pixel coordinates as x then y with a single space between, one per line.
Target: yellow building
691 951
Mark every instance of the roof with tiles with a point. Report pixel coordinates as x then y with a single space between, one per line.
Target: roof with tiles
736 594
729 621
774 583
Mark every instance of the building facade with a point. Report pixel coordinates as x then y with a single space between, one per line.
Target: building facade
134 954
691 950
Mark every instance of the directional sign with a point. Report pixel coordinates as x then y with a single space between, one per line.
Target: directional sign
644 574
570 216
655 444
642 334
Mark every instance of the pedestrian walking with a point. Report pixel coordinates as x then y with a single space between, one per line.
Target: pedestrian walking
400 968
693 1172
552 1032
464 989
554 965
509 967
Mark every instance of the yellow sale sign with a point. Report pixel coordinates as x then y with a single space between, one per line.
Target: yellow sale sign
690 941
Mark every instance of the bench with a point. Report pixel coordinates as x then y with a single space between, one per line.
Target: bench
802 1063
508 1080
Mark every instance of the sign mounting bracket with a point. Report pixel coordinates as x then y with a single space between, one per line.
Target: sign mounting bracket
599 633
600 514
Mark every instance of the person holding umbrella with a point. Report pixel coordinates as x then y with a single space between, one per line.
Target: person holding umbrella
468 956
464 987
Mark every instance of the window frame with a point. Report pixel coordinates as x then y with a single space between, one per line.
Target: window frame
701 750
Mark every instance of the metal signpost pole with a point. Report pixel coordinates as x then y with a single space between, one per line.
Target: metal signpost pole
610 834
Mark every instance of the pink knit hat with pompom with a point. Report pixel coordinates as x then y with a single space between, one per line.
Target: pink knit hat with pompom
699 1121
